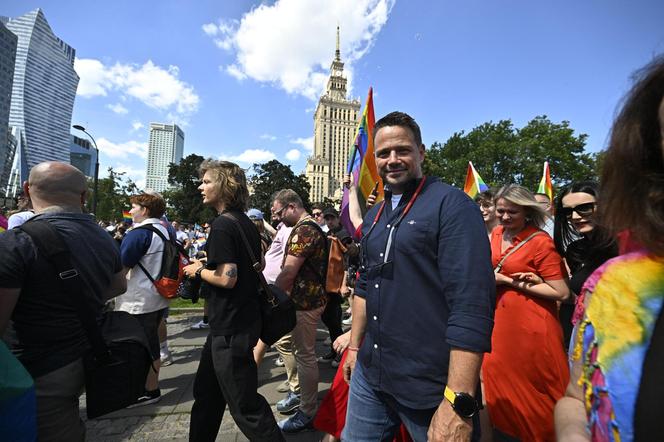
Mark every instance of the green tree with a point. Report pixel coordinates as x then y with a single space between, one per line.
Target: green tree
503 154
114 193
184 199
273 176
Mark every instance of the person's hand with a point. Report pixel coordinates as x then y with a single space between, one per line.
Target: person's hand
348 180
446 425
502 279
528 277
371 200
190 270
341 343
349 365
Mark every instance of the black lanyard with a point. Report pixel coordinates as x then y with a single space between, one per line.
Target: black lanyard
398 221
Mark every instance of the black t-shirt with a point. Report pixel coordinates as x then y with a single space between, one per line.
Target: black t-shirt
236 309
47 332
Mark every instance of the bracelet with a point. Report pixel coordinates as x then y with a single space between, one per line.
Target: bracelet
352 348
199 271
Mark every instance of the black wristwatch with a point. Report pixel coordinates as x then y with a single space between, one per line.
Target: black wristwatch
199 271
462 403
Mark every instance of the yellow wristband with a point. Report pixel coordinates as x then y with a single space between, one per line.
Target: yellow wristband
449 395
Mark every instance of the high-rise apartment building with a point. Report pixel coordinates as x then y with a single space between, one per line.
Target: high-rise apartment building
8 43
335 123
83 155
165 146
43 91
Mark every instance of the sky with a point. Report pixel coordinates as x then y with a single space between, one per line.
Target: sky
243 78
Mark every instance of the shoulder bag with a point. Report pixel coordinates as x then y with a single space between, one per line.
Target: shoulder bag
499 266
119 359
277 309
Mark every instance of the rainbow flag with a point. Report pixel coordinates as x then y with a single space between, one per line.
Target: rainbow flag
474 183
545 186
3 223
126 216
362 163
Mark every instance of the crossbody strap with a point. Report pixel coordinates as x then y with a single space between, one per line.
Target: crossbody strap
163 238
255 264
499 266
50 244
648 419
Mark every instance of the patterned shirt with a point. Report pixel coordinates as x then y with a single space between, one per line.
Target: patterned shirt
623 299
309 242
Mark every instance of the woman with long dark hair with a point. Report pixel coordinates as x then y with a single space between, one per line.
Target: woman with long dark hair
584 244
615 386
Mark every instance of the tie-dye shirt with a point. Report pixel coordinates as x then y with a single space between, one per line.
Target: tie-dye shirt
623 299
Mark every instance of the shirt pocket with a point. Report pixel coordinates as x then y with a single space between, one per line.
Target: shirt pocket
412 236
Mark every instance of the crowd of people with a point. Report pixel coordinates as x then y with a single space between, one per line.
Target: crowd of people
509 317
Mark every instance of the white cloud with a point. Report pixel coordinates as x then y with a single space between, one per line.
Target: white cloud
251 156
268 137
118 108
290 43
293 155
136 125
307 143
123 150
153 85
136 175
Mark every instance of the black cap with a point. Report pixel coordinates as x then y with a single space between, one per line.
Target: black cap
330 212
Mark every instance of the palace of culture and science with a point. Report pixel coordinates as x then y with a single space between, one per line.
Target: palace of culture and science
335 123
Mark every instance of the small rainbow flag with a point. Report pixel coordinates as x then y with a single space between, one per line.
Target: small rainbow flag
545 186
362 163
126 216
474 183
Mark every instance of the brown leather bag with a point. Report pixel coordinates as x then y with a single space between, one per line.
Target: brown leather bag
335 266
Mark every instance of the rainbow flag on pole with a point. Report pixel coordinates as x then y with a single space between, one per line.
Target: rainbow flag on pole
362 163
474 183
126 216
545 186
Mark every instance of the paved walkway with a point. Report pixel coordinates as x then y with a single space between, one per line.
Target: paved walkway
168 419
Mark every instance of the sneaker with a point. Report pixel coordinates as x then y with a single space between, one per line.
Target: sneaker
328 357
296 423
289 403
279 362
348 321
283 387
166 358
150 397
200 325
336 361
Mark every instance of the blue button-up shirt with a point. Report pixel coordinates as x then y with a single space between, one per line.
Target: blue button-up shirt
435 291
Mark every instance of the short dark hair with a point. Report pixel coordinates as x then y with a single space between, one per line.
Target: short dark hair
289 196
154 203
485 197
633 170
400 119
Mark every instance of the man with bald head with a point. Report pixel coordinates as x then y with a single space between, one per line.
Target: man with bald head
46 334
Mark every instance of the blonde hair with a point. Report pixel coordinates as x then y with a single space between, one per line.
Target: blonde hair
535 214
231 181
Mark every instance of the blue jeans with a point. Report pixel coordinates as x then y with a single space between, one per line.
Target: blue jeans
375 416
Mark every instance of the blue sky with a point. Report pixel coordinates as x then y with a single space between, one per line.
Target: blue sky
242 77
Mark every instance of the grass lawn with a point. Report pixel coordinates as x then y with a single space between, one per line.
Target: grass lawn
185 303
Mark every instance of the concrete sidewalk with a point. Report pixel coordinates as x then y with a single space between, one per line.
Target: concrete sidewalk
168 419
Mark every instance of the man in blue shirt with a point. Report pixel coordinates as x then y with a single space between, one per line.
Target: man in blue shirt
423 310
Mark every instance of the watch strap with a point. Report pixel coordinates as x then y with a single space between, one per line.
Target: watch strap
449 394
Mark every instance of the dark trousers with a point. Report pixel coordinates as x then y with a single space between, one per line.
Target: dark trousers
227 375
332 317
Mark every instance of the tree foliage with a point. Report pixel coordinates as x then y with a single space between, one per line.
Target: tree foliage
273 176
114 192
503 154
184 200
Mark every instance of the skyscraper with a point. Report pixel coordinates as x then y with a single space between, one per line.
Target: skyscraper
83 155
165 146
335 123
43 91
8 43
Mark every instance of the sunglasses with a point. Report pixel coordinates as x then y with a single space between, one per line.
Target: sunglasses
316 214
583 210
278 212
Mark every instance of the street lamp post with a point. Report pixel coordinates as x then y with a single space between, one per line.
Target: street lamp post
96 182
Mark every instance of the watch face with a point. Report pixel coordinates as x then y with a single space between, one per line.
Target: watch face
465 405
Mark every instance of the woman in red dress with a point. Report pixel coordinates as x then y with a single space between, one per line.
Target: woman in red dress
526 371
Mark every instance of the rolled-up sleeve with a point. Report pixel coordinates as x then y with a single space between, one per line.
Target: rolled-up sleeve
464 263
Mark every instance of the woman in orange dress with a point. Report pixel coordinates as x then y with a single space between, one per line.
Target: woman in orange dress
526 371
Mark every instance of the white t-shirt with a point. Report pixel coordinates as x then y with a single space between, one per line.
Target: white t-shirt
19 218
395 201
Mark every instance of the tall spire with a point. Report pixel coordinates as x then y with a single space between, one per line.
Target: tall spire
337 53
